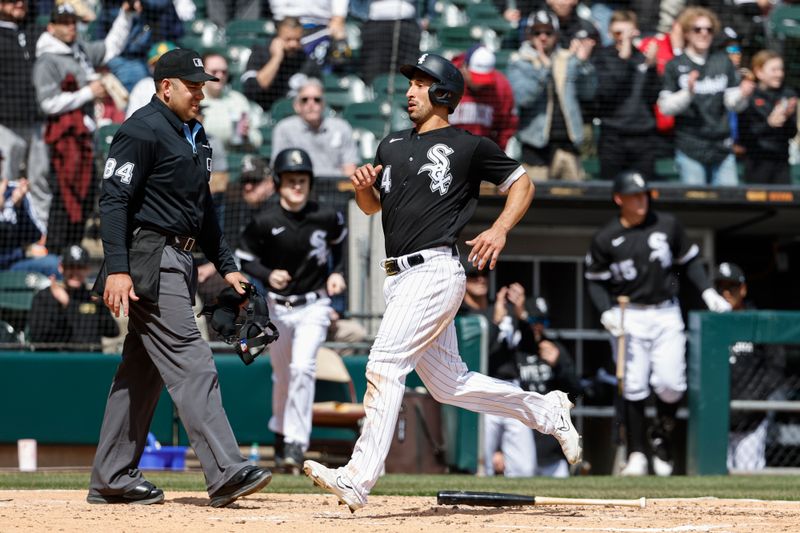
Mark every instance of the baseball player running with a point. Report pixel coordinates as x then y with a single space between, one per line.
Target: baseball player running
287 246
636 254
426 182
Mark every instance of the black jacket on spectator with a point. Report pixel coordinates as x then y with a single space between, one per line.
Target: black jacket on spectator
18 105
626 91
290 66
759 138
83 321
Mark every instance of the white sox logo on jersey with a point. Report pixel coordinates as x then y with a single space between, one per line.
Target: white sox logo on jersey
661 252
319 246
439 168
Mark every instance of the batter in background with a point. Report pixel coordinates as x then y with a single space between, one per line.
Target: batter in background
637 254
426 181
288 247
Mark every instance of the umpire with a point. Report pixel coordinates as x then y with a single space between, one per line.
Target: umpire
155 206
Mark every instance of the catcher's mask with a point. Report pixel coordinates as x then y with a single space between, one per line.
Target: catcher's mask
242 321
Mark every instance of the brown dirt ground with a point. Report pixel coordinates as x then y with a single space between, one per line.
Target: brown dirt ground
62 510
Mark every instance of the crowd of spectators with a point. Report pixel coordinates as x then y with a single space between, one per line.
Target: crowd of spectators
573 90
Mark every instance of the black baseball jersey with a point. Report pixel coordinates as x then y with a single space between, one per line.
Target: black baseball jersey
155 178
300 243
638 262
83 321
430 184
702 131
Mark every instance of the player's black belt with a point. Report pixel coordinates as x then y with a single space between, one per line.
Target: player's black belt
392 266
181 242
295 300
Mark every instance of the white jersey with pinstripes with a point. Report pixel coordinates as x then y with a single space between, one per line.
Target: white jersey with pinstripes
429 187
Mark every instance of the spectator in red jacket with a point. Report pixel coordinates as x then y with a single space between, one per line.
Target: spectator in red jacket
667 46
487 107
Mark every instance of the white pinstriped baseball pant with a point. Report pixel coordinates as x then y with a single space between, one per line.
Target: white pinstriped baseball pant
417 332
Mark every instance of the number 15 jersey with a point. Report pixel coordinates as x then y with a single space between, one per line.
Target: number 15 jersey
639 262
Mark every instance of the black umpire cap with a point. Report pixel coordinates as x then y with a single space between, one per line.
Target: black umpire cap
630 182
729 273
182 63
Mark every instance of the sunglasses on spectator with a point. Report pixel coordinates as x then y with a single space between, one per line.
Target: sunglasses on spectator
537 33
222 71
305 99
703 29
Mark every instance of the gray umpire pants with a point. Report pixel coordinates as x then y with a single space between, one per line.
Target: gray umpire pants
164 347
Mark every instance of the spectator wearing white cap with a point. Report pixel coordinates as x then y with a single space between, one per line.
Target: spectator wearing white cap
487 107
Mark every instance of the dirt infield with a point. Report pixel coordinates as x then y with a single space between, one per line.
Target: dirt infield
67 511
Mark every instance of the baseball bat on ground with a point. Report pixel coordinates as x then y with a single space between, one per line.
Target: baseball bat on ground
497 499
622 301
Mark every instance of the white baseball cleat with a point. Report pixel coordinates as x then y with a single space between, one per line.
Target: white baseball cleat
565 432
636 465
334 481
661 467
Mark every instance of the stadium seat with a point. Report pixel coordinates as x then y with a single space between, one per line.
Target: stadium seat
281 109
199 27
104 137
367 144
335 401
459 38
591 165
795 173
448 15
666 170
16 295
340 91
265 150
784 21
371 116
380 86
245 32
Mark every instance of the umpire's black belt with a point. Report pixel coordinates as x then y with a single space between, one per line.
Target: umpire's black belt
181 242
395 265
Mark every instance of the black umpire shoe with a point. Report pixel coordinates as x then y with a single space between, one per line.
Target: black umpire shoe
144 493
248 480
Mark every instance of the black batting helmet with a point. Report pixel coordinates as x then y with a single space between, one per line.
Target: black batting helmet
630 182
292 160
449 86
242 321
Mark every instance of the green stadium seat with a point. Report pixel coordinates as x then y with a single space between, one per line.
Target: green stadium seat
459 38
199 27
371 116
784 21
795 173
245 32
591 165
666 170
281 109
17 289
104 137
341 91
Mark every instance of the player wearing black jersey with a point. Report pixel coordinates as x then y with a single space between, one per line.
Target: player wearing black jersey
287 247
636 255
426 182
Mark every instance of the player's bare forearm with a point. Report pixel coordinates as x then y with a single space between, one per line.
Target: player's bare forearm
486 247
519 199
367 197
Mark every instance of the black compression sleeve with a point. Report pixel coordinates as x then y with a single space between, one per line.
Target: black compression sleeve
599 294
697 275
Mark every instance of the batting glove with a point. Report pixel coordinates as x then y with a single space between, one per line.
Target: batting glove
715 302
611 321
